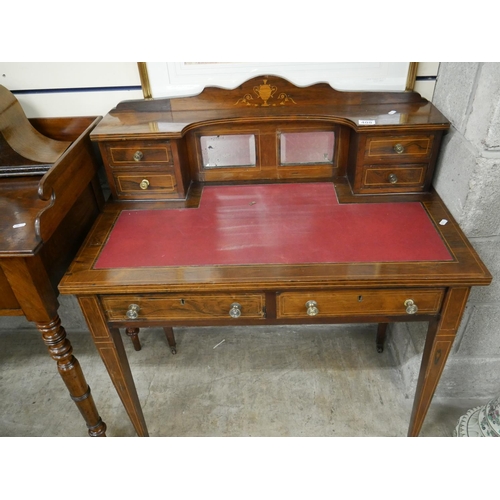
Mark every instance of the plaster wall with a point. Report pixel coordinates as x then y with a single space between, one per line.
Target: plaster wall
468 180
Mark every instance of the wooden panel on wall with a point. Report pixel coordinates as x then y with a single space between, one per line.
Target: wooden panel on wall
426 79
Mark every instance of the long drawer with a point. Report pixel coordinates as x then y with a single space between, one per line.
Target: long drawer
291 305
358 303
170 307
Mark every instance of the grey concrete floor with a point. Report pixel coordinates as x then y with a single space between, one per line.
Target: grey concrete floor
322 380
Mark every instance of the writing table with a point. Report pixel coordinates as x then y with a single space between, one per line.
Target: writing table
262 225
49 198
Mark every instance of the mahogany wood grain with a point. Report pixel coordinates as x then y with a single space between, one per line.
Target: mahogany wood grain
158 185
22 136
381 336
405 178
439 340
267 107
9 306
169 334
159 292
160 118
368 128
175 307
133 334
358 302
109 344
464 268
382 148
43 221
419 153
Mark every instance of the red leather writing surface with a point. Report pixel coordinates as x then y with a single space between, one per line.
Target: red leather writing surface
272 224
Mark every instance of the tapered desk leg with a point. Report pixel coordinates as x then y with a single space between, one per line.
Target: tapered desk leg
440 337
109 344
61 351
169 333
381 336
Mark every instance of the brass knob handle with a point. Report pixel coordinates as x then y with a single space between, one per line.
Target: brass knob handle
235 311
393 178
144 184
399 148
138 155
411 307
132 311
312 310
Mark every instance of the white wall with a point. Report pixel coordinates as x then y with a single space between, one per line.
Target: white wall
93 88
70 89
174 79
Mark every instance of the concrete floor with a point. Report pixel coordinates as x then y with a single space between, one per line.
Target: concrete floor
262 381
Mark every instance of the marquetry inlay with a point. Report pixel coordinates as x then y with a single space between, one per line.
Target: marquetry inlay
265 92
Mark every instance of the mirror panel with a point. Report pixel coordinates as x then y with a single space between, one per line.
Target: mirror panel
307 148
219 151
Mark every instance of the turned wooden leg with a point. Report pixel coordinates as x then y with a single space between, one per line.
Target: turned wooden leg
61 351
381 336
109 344
133 333
34 291
440 337
169 333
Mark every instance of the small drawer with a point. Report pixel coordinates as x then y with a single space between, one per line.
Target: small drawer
171 307
399 148
358 303
144 184
393 176
139 153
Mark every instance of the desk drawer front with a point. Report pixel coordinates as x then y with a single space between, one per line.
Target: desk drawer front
184 307
145 184
399 148
392 163
143 169
138 153
387 176
357 302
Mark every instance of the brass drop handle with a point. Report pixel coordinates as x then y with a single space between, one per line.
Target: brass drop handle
411 307
399 148
132 311
235 311
138 155
393 178
144 184
312 309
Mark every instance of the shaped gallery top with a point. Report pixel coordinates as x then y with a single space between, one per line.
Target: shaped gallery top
270 98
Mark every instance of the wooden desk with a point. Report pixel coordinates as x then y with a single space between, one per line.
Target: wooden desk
268 231
43 222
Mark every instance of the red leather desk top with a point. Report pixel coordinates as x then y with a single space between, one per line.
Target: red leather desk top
272 224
